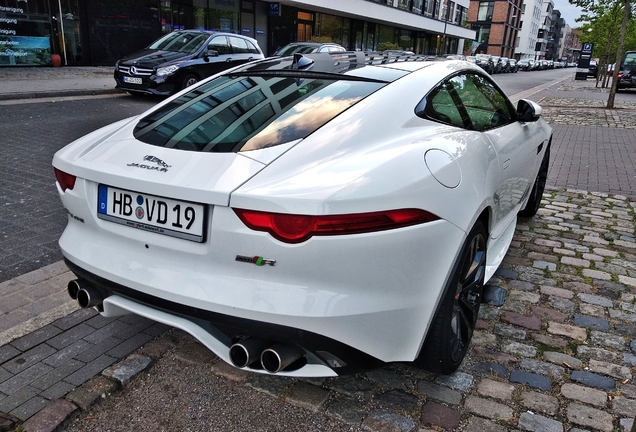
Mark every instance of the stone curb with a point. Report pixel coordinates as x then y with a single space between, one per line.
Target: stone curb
114 378
57 93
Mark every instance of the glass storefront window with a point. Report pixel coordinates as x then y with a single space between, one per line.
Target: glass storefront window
306 16
199 10
25 34
331 28
386 34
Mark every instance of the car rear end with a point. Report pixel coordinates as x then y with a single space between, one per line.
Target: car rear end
227 234
627 72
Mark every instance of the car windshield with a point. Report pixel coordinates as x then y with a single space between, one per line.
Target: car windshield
630 59
185 42
293 49
241 113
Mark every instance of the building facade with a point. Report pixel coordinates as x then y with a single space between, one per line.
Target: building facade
496 24
99 32
555 37
529 30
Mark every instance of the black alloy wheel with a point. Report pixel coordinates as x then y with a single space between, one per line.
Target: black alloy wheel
452 328
189 80
536 194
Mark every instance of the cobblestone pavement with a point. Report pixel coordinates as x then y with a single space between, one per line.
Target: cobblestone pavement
558 356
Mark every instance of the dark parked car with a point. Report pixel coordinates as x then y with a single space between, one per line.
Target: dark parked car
593 68
182 58
498 66
514 66
505 64
627 71
485 62
308 48
524 65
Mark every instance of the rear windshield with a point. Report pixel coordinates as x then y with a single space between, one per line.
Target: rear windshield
630 60
231 114
185 42
294 49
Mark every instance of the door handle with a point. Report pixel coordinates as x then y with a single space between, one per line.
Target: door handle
228 60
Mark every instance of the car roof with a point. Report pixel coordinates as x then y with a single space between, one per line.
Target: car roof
355 64
213 32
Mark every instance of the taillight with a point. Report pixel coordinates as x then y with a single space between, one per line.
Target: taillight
620 75
291 228
66 181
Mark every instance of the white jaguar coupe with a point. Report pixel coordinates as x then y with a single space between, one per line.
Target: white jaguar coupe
310 215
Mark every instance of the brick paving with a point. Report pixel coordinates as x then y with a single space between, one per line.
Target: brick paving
560 354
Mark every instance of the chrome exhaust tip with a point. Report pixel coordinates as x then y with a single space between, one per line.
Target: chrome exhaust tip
278 357
75 286
247 351
89 297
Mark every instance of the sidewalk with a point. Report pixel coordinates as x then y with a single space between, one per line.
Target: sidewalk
559 355
40 82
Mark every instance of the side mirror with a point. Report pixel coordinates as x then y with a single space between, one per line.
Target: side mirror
210 53
528 111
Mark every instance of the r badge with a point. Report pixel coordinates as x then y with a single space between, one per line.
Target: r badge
259 261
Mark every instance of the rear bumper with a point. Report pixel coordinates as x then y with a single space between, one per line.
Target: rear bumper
629 82
218 331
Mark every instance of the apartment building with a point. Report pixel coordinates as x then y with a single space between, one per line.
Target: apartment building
496 24
98 32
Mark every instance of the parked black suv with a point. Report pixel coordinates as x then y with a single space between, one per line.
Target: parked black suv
181 58
627 72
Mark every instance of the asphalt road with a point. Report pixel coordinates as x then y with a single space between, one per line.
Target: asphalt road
512 83
31 215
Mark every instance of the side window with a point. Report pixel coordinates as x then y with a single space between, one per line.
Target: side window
238 45
441 107
252 49
219 44
484 104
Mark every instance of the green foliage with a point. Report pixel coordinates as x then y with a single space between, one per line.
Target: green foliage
387 46
321 39
601 24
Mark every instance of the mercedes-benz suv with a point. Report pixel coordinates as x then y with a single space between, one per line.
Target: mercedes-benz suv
182 58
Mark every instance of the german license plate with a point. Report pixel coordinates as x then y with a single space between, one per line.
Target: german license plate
146 212
132 80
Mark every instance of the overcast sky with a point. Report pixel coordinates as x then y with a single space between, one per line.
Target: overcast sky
569 12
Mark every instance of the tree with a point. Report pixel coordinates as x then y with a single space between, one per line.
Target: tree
601 26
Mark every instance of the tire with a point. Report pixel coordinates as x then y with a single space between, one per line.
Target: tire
454 322
189 80
534 201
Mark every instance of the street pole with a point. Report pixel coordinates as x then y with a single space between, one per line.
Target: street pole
445 23
59 3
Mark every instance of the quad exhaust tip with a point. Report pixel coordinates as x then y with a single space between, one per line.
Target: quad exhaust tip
75 286
89 297
85 294
278 357
247 352
273 357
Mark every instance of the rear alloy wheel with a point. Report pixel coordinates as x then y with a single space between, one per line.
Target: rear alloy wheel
189 80
454 323
534 201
